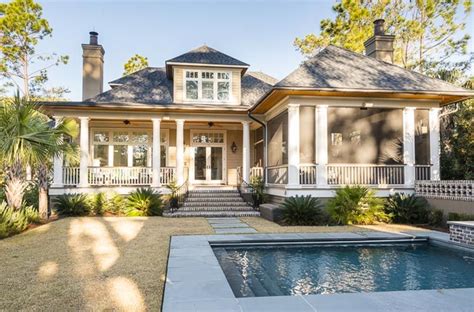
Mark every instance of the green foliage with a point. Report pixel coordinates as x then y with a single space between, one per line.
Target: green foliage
457 140
423 29
409 209
31 196
13 221
72 205
256 182
356 205
98 203
436 217
23 26
135 63
144 202
116 204
302 210
454 216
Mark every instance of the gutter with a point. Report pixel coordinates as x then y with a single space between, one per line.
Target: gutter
265 137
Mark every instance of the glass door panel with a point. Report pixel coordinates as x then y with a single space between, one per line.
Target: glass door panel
200 160
216 163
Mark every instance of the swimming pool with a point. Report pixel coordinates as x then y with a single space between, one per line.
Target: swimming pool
310 269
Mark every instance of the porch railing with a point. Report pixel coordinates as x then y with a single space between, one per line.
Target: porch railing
365 174
422 172
71 175
120 175
307 174
256 172
167 175
277 174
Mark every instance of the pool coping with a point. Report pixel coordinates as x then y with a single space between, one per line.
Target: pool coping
195 280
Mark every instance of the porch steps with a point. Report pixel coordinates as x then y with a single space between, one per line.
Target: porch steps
214 202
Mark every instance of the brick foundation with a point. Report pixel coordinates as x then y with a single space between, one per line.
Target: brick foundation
462 232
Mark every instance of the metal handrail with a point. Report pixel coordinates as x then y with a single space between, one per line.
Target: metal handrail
243 186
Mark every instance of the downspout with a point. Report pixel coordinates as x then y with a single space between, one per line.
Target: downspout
265 136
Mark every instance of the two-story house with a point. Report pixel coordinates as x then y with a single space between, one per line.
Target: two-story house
206 119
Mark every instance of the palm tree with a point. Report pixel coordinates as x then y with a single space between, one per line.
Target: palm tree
27 138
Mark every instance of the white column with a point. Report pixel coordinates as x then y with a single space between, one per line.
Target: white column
434 144
409 145
246 151
321 148
57 165
293 144
180 151
84 148
156 153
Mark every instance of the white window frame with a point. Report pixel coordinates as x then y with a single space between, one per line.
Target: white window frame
163 133
199 80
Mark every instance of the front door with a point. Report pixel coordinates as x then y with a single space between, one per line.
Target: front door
208 165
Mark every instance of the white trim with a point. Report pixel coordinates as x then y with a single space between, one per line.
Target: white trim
200 80
207 65
434 144
293 144
246 151
208 145
156 147
84 150
409 145
321 148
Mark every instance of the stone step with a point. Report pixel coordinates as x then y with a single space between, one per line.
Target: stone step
179 214
216 204
216 208
214 199
212 195
213 192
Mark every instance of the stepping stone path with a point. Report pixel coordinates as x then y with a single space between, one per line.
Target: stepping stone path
230 226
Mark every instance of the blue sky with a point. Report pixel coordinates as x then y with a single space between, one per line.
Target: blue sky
259 32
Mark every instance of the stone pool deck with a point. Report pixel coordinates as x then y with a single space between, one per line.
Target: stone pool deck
196 282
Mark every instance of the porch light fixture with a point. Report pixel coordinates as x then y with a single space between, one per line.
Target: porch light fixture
210 124
126 122
366 105
233 147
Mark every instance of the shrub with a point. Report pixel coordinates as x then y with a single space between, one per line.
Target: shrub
454 216
256 182
356 205
72 205
144 202
116 204
97 203
436 217
409 209
16 221
31 195
302 210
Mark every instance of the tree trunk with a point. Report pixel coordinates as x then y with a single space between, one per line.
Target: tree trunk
43 191
15 186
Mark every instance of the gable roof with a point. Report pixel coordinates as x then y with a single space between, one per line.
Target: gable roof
152 86
336 68
205 55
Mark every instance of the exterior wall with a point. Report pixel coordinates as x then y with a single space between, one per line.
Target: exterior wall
234 160
451 205
179 89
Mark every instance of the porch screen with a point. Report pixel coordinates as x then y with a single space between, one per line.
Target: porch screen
372 136
258 147
278 140
422 139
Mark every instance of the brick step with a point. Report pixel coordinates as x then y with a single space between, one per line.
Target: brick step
213 192
213 199
179 214
217 208
216 204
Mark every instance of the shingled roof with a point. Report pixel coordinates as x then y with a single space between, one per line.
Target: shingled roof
152 86
336 68
207 55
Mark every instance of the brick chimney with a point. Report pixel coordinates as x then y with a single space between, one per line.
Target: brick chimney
380 45
92 67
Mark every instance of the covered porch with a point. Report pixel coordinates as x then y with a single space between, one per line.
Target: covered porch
128 152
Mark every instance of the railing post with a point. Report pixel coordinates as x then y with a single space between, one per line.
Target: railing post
246 151
434 144
156 153
409 145
293 144
84 148
321 148
180 151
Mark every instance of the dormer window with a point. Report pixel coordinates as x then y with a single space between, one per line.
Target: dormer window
207 86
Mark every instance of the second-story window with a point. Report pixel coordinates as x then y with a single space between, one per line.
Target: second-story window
207 86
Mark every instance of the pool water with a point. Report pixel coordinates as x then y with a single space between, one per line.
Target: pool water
306 270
